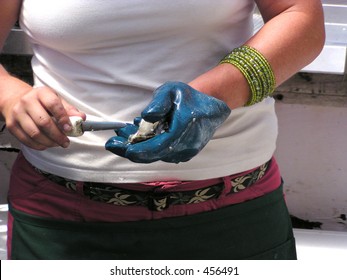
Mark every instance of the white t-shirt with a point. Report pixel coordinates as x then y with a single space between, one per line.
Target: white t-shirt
106 57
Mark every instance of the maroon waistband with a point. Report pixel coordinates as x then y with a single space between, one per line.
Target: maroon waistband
156 197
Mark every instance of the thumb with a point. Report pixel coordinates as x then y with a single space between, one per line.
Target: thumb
160 106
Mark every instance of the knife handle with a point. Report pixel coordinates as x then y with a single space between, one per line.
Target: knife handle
76 129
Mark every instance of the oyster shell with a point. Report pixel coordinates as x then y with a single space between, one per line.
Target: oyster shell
148 130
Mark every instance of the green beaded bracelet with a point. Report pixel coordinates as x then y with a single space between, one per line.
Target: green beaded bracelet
256 69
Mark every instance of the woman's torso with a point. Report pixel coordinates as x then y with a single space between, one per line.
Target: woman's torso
106 57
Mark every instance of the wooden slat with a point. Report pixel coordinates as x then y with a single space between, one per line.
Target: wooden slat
314 89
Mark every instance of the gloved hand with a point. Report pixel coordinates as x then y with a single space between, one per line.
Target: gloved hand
192 117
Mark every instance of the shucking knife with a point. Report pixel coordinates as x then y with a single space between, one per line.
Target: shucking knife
79 126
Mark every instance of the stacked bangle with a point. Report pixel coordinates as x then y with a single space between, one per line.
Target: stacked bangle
256 69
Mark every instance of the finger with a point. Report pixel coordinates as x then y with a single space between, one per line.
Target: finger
22 126
151 150
126 131
29 140
53 104
160 106
137 121
41 127
42 130
48 100
117 145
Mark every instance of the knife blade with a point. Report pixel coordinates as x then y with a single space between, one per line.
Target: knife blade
79 126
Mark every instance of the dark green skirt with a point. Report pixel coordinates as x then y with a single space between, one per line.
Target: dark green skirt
257 229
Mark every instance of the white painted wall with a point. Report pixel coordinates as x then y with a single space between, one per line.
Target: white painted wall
312 154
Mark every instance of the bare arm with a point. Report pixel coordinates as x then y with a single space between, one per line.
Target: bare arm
8 16
28 111
293 35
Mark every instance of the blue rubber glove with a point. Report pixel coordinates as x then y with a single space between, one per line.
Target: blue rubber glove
193 118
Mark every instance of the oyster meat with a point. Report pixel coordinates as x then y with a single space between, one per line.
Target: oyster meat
148 130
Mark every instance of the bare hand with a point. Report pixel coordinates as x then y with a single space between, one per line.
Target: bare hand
39 118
